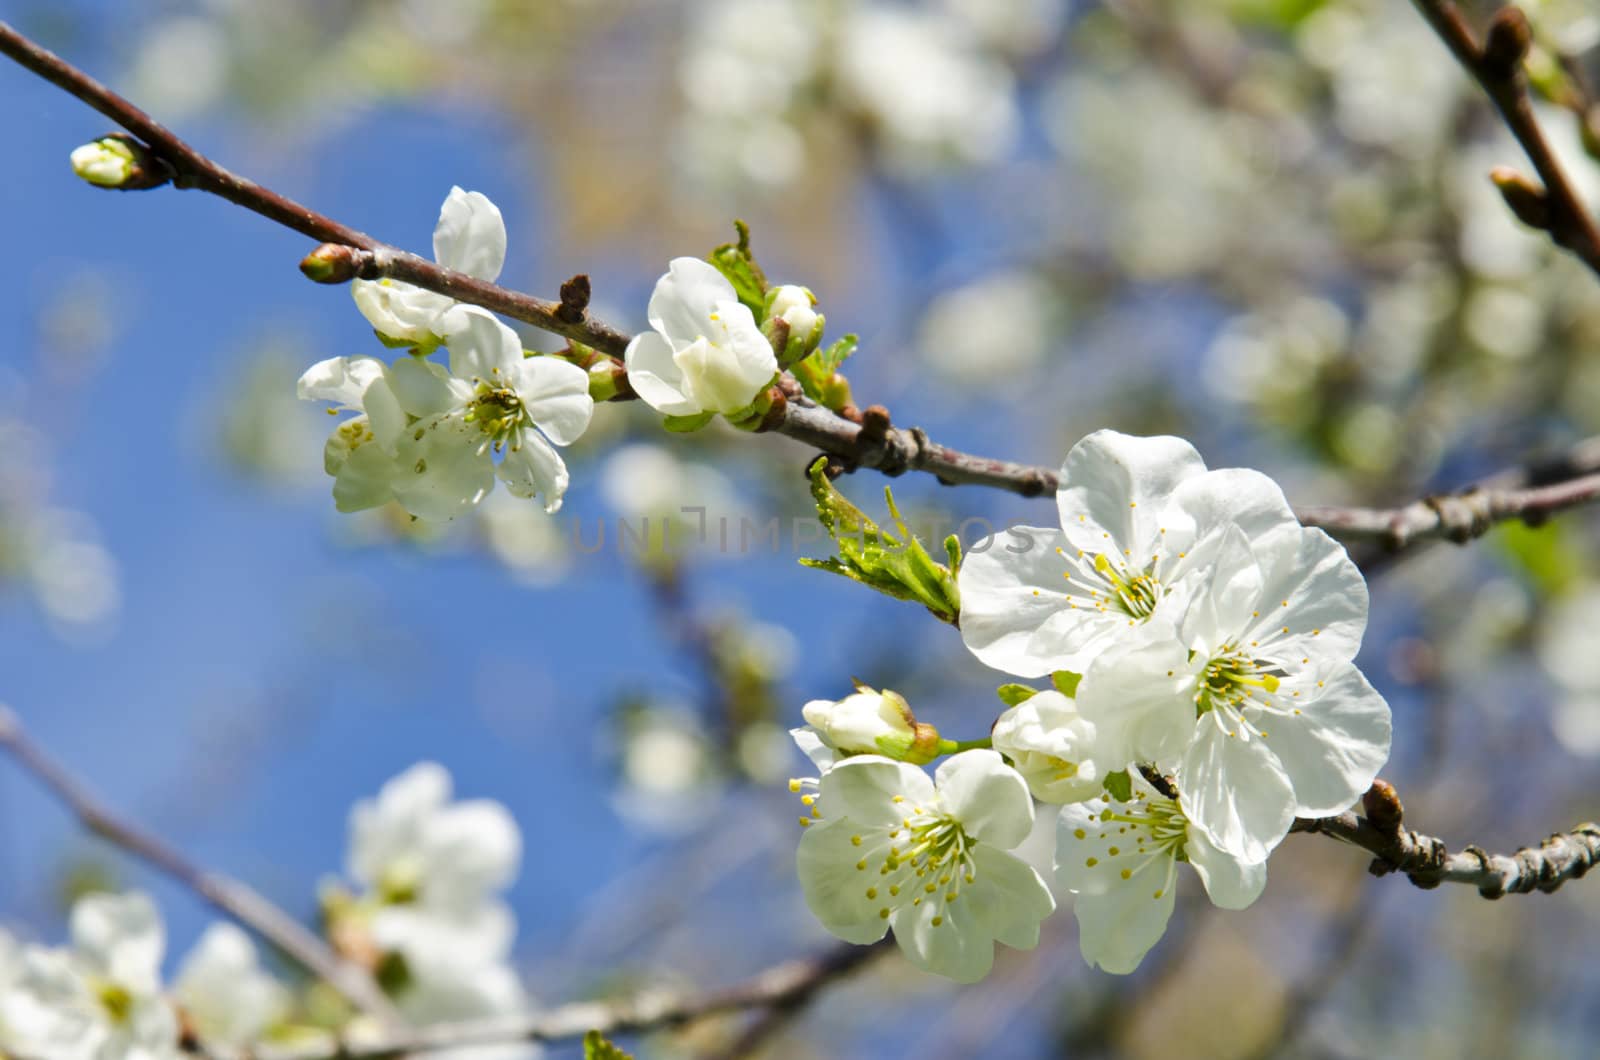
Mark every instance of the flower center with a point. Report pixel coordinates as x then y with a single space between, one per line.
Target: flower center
928 858
497 411
1136 592
1156 829
1231 678
1112 583
115 999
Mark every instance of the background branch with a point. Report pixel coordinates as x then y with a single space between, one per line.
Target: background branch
228 896
1497 67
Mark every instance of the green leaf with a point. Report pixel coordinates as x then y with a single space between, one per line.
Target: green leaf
1066 682
1120 786
893 563
819 374
735 261
686 424
595 1047
1012 694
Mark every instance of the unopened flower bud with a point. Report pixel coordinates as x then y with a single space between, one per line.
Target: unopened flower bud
795 307
872 722
118 161
1526 199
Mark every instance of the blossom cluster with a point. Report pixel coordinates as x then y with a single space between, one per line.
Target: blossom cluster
427 434
429 924
1200 644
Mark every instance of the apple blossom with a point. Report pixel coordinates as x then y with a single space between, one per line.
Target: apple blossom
1252 700
101 998
225 995
1120 860
1137 516
705 353
1052 746
471 238
927 858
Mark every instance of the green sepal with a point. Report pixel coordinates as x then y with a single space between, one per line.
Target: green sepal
1012 694
686 424
421 349
952 552
735 261
596 1047
1119 786
1066 682
895 564
750 417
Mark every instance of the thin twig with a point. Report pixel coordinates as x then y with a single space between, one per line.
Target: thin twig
783 986
1428 862
227 895
1497 67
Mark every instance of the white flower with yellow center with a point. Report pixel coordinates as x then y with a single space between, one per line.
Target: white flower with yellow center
493 400
434 869
471 238
705 352
101 998
1137 516
1252 701
360 453
1120 860
927 858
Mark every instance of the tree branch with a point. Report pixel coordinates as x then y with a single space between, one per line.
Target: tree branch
785 986
1497 67
1428 862
227 895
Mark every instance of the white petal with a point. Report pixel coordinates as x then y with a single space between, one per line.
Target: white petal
1332 750
121 937
472 848
656 377
725 371
835 890
1233 789
959 947
482 348
988 797
365 478
399 310
1227 601
434 939
1140 698
444 468
684 299
1324 590
1007 897
225 994
384 414
1016 613
1229 882
864 787
424 388
812 746
1116 929
391 825
341 380
556 395
1052 746
471 235
1118 484
1232 496
534 469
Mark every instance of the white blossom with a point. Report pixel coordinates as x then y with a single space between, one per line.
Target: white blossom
100 998
434 869
1053 747
225 994
1120 860
1252 698
927 858
492 400
1137 516
360 453
705 352
471 238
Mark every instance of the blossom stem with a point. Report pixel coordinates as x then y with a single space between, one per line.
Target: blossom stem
950 747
